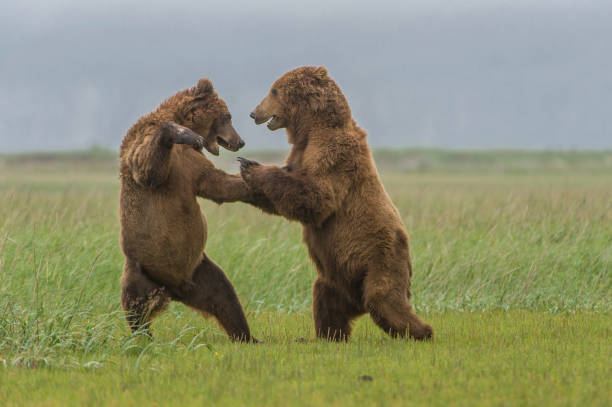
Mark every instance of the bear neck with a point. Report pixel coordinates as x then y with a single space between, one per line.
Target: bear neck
303 124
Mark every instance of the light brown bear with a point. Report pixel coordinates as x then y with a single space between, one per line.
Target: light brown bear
354 233
163 232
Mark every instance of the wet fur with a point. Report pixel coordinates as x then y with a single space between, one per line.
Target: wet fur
354 234
163 232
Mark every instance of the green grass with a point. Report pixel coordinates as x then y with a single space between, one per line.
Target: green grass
513 268
492 358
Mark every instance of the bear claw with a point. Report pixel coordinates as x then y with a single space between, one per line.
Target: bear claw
246 164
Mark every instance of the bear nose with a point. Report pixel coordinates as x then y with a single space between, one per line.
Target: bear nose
252 115
241 144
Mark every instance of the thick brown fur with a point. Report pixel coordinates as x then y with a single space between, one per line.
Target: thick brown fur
163 232
354 234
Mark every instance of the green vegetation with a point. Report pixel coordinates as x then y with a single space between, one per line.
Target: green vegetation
513 268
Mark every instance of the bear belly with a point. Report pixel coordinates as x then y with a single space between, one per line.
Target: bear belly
347 247
336 255
165 235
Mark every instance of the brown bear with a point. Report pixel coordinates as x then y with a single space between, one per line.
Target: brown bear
354 234
163 232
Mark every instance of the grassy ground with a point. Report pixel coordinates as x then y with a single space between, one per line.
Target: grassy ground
513 268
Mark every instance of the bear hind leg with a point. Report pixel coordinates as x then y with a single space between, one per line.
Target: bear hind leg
211 293
141 298
332 312
390 309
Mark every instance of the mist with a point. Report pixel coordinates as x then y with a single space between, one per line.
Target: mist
461 75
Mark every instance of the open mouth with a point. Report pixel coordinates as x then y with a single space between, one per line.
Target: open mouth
261 120
272 123
225 144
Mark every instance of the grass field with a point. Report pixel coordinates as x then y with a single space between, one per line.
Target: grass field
513 267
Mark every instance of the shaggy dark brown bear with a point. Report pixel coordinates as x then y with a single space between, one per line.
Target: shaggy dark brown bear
163 232
354 233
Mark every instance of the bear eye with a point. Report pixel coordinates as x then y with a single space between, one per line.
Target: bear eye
274 92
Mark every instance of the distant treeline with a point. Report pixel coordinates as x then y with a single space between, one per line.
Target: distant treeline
402 160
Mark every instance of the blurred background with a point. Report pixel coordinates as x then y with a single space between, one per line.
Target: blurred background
478 74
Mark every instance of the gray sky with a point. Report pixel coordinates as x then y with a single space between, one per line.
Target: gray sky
456 74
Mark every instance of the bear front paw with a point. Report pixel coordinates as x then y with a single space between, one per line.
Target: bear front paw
197 143
183 135
186 136
246 166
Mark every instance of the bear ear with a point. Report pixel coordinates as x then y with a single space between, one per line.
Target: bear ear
203 87
320 73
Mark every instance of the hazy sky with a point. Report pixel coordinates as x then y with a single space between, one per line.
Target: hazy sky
458 74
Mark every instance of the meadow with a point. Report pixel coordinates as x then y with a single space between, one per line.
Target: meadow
512 256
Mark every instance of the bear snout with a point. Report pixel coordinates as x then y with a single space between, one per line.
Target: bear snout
260 115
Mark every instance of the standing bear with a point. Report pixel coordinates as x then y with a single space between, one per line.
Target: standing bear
163 232
354 234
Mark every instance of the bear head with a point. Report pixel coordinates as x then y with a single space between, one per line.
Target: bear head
204 112
305 94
